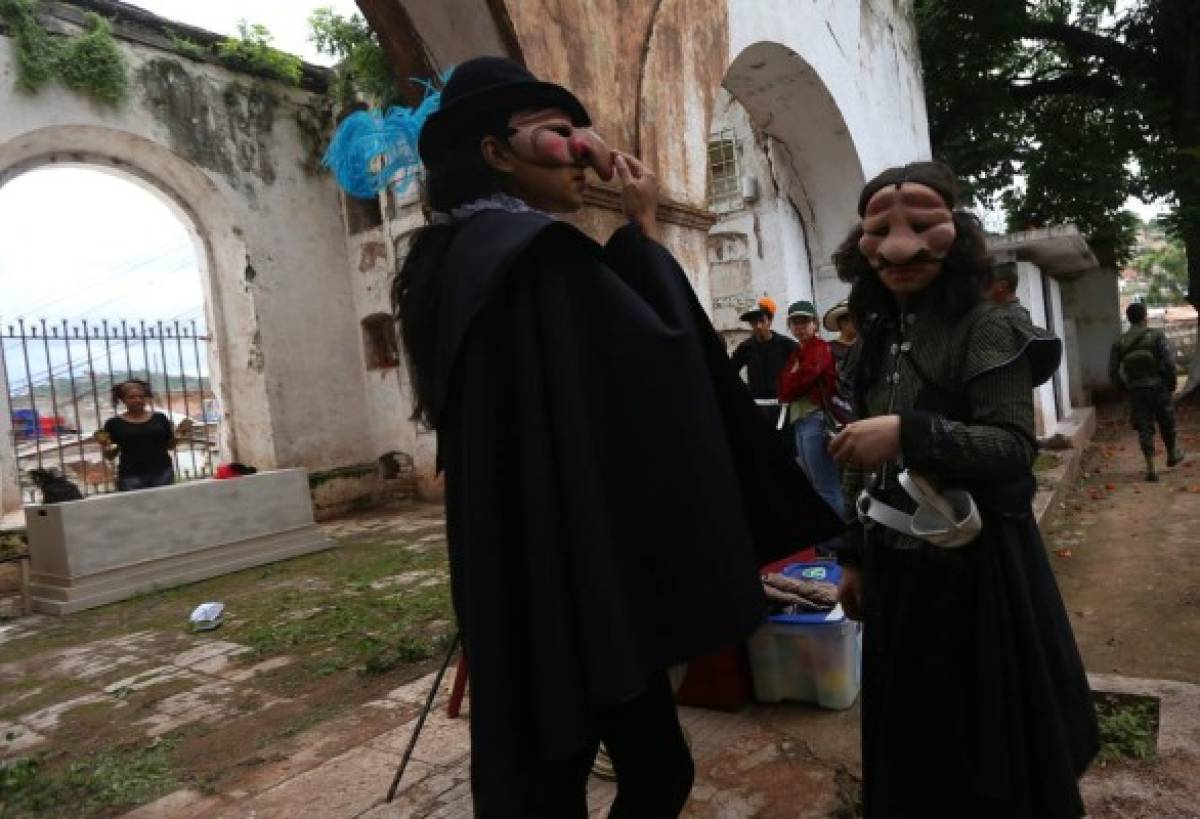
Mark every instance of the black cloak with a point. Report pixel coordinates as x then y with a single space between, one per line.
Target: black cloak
610 488
975 699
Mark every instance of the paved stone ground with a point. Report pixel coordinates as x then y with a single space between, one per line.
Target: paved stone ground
779 761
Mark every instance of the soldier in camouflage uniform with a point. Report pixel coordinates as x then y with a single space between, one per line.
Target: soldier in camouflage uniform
1142 364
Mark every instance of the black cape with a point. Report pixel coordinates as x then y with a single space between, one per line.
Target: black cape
975 700
610 489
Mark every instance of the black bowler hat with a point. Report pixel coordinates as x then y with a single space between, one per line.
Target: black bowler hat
489 85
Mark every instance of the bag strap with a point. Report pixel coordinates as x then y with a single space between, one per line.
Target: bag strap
1134 342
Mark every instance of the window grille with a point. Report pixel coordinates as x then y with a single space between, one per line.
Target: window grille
723 184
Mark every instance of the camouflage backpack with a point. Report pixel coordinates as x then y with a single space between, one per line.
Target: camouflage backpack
1139 362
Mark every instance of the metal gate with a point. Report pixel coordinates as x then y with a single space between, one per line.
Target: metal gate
59 378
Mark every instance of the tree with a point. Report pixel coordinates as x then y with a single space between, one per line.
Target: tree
363 68
1164 269
252 51
1062 109
1090 101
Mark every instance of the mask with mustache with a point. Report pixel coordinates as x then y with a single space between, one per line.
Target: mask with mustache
906 224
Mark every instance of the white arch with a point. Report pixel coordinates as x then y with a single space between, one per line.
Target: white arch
788 100
220 249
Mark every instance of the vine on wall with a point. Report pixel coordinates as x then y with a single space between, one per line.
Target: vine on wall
89 63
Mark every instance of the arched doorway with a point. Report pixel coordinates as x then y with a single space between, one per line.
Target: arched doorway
225 314
783 179
119 297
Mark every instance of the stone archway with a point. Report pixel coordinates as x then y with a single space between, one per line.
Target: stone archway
790 174
220 249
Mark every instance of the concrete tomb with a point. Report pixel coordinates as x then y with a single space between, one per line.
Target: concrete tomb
112 547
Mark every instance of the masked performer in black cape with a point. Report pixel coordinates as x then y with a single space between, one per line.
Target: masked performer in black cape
610 488
975 702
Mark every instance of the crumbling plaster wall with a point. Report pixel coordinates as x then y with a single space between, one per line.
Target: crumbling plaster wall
375 255
1092 300
234 155
756 247
835 83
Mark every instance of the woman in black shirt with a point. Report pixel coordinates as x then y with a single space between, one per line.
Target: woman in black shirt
141 438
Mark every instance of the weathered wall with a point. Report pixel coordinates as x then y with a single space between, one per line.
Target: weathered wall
838 85
1092 301
375 255
835 82
234 155
757 247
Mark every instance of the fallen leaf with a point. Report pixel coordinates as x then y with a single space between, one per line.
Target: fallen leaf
1066 553
1110 486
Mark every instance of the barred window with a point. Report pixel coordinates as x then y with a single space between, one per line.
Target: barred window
722 167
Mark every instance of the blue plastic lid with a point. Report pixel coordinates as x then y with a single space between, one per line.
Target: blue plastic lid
826 572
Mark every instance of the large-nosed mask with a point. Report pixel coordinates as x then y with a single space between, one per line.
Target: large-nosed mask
906 227
549 138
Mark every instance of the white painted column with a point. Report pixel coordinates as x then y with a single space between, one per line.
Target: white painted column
10 488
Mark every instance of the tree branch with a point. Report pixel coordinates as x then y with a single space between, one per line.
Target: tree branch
1081 42
1088 85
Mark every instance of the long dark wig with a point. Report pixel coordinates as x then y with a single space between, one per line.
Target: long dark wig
460 176
966 270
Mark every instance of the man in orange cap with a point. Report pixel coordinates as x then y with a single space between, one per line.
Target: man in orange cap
763 354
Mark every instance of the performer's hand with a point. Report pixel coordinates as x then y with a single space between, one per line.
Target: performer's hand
184 427
867 444
101 437
850 592
639 193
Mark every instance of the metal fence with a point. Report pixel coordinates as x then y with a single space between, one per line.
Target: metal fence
59 378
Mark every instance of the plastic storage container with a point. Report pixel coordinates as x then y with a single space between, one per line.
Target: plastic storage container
808 657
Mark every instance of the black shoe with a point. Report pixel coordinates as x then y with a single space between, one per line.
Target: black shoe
1175 457
1152 477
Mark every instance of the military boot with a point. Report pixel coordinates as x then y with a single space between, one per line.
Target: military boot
1175 454
1151 475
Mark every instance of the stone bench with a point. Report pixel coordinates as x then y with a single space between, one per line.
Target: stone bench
111 547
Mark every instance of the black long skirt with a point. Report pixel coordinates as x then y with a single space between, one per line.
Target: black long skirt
975 700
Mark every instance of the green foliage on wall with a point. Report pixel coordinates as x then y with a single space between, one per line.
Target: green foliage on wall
90 63
251 51
188 48
363 69
93 65
36 50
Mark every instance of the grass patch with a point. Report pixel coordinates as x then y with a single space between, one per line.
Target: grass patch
50 692
306 605
351 625
1128 726
349 638
120 777
1045 462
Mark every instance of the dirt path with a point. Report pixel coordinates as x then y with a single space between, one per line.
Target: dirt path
1131 581
1126 556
